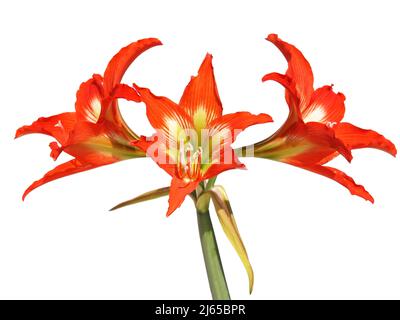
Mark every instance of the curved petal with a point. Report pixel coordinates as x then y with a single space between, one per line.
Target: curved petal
325 106
125 92
200 99
338 176
292 97
178 191
115 70
298 69
228 126
65 169
58 126
89 99
354 138
122 60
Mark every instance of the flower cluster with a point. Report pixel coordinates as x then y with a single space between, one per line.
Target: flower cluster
192 139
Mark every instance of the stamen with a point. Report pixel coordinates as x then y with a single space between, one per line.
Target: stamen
189 162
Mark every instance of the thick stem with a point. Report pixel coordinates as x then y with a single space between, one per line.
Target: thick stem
215 271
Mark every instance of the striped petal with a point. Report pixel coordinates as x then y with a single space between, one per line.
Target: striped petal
58 126
309 143
325 106
200 99
89 99
339 177
165 116
299 70
65 169
123 59
178 191
355 138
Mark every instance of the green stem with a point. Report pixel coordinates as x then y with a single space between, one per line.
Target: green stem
215 271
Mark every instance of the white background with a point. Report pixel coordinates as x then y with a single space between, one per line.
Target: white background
306 236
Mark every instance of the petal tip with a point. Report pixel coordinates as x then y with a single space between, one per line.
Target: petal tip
27 191
392 150
272 37
265 117
169 212
19 132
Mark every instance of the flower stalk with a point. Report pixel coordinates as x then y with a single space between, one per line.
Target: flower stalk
212 259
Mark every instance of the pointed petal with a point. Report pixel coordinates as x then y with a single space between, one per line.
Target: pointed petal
340 177
165 116
354 138
65 169
58 126
151 195
310 143
228 223
228 126
178 192
200 99
123 59
89 99
325 106
113 75
298 69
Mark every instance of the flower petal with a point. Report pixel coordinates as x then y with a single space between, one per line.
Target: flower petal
338 176
222 133
65 169
58 126
292 99
200 99
96 143
158 151
325 106
299 70
227 160
228 126
89 100
354 138
165 116
122 60
113 75
178 192
311 143
125 92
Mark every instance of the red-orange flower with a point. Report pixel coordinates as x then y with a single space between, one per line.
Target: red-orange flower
193 138
313 134
95 134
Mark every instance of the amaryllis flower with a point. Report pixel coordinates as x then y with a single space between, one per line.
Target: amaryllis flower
313 133
95 134
193 138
